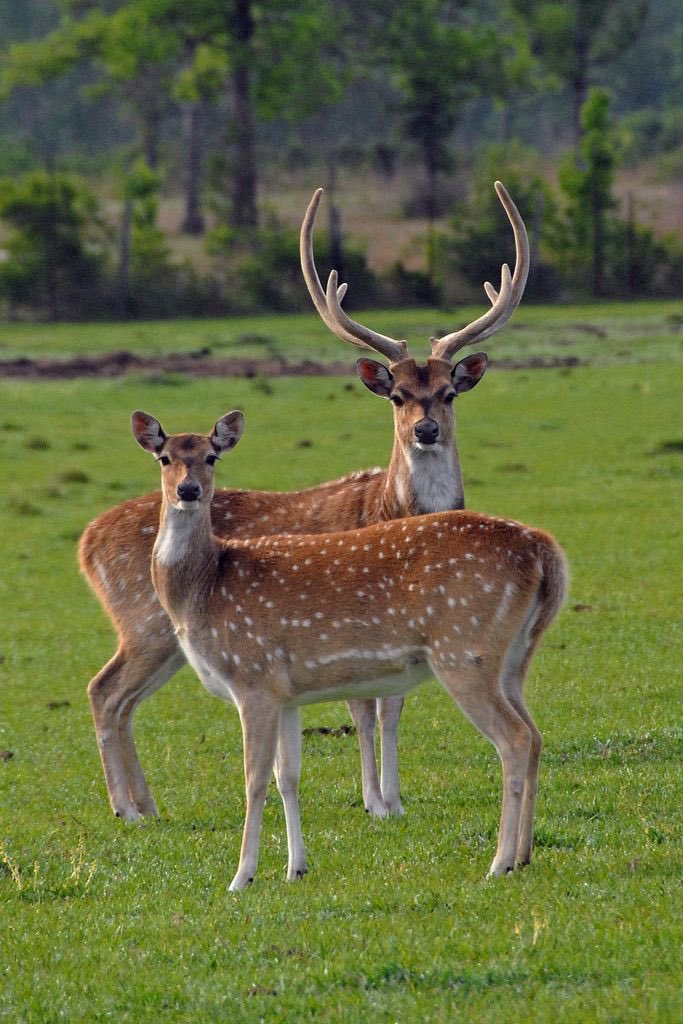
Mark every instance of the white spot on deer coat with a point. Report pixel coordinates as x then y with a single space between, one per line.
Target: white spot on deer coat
506 600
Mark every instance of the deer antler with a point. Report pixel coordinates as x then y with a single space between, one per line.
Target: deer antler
329 304
505 301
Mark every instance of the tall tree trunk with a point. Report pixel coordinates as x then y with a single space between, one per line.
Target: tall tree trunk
535 240
334 220
432 204
598 231
51 280
123 278
579 82
631 243
151 128
193 221
244 177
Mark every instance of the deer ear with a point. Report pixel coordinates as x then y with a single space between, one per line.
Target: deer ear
468 372
148 432
227 431
375 376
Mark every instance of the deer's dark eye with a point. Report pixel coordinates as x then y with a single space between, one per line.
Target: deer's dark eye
398 402
164 460
448 400
211 460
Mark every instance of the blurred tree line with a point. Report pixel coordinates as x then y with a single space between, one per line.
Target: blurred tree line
146 98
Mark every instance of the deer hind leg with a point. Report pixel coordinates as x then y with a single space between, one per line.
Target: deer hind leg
168 665
287 774
480 697
260 719
390 709
114 693
512 681
364 715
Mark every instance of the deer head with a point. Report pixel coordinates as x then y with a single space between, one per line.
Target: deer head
187 460
422 394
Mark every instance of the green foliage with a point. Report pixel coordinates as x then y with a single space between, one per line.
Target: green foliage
153 53
157 286
438 63
418 65
641 264
151 273
296 57
480 239
595 250
559 30
56 255
261 269
141 187
588 186
204 78
403 287
650 132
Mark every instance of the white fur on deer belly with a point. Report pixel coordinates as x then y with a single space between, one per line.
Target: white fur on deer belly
386 685
216 681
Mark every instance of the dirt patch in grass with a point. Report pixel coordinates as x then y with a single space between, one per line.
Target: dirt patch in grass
198 364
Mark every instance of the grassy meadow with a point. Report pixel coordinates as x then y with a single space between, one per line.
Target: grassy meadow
601 333
395 921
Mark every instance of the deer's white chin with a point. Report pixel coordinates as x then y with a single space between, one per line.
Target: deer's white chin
435 448
187 506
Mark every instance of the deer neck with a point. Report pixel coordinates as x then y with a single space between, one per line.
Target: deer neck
423 481
185 558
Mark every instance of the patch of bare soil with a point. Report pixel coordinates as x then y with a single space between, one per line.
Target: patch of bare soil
191 364
198 364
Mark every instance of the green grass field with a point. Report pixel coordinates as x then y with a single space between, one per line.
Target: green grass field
599 333
395 921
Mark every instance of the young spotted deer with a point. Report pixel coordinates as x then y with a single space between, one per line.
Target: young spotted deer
275 622
423 476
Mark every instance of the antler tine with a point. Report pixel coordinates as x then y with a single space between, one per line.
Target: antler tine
355 332
329 305
490 291
504 305
315 289
522 260
446 347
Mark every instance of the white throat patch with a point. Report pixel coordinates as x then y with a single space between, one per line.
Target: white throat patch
433 478
174 536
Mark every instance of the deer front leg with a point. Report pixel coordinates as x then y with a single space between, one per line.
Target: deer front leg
389 716
364 715
287 773
260 719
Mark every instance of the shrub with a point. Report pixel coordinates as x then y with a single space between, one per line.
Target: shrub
650 132
152 283
480 237
55 260
402 287
261 269
642 264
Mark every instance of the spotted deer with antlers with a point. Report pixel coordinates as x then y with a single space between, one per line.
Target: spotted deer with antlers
275 622
423 476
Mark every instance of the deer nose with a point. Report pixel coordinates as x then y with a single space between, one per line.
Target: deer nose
188 490
427 431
